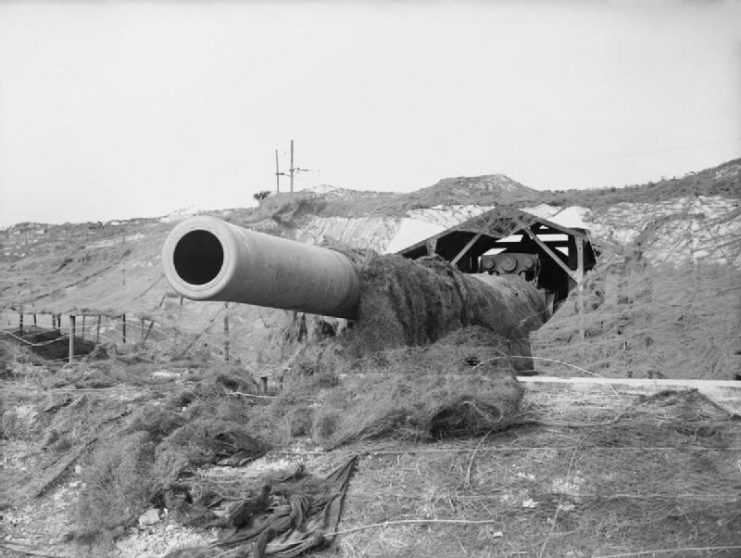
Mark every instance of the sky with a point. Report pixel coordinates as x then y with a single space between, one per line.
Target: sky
116 109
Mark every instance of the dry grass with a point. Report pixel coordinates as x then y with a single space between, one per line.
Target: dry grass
661 476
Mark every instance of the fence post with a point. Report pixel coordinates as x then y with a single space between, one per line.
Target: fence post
71 338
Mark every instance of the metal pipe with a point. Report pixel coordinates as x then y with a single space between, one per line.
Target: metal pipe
205 258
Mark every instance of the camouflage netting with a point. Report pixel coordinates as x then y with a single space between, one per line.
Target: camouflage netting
461 385
407 302
433 354
415 303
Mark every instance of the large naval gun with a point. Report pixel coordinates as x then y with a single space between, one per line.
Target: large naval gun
205 258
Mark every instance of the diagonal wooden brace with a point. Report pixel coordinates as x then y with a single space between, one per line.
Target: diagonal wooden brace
550 252
466 248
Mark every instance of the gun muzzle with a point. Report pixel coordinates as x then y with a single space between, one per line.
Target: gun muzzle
206 258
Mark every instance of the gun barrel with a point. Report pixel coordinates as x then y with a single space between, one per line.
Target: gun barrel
206 258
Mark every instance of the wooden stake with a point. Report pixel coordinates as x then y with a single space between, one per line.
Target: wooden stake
97 331
123 329
151 324
20 323
71 338
34 319
226 332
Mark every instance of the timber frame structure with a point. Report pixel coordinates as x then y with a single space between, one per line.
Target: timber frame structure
510 230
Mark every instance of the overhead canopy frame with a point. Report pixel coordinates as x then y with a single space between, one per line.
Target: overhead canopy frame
566 253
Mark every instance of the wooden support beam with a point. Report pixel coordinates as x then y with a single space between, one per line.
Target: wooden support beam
551 243
71 338
547 231
580 284
466 248
431 245
550 252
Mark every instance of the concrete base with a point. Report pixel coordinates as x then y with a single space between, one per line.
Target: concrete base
723 392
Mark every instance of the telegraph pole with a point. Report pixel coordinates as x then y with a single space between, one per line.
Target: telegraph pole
292 171
278 174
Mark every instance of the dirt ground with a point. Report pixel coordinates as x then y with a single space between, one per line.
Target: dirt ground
598 474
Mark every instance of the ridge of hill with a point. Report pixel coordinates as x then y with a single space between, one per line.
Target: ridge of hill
723 180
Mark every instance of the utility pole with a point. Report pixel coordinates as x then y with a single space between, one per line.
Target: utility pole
292 171
278 174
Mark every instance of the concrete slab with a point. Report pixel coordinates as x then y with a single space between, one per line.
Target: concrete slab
724 392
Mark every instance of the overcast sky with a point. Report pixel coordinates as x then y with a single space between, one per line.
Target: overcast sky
122 109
